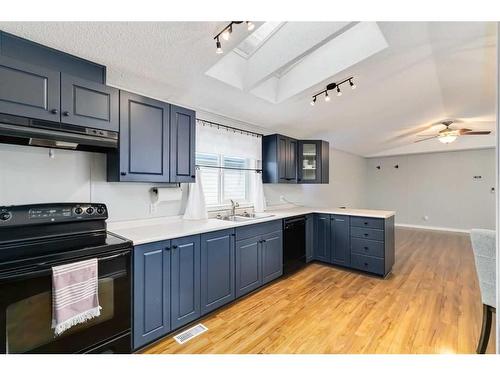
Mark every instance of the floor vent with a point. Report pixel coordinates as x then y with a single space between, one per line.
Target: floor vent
190 333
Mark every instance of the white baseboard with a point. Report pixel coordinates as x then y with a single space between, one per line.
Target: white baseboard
443 229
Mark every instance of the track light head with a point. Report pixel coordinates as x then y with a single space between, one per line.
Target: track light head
250 25
339 93
219 47
353 85
227 32
313 102
327 97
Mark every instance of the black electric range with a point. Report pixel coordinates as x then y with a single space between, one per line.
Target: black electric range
33 239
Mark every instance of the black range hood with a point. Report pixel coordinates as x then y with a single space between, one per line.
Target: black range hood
26 131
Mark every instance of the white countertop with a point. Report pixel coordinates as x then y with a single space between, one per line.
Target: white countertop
166 228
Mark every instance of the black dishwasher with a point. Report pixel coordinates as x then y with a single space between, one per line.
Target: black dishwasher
294 249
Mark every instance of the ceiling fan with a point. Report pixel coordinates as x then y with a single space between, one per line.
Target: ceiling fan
448 135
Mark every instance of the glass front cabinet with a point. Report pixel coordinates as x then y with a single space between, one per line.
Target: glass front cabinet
313 166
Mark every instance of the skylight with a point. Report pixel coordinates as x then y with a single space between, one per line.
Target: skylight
256 39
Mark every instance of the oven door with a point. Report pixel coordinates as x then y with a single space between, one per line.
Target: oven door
26 308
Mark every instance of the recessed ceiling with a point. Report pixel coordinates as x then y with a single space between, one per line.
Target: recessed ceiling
429 71
269 65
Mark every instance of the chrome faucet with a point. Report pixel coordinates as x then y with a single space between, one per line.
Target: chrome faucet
234 205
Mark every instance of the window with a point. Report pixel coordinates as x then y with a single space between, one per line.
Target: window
222 185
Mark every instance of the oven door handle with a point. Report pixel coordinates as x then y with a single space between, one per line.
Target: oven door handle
48 269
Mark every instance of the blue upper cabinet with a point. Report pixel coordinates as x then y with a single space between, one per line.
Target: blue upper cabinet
217 269
151 317
144 141
182 144
279 159
185 268
89 104
289 161
29 91
322 237
314 164
340 240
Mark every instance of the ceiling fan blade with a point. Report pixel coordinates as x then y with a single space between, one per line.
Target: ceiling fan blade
463 131
486 132
425 139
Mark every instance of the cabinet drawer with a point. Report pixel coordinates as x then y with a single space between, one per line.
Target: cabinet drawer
257 229
367 247
367 233
368 264
367 222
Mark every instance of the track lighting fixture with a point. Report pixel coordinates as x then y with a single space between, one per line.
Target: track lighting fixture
333 86
219 47
227 31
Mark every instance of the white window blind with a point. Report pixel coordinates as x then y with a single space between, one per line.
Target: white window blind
233 151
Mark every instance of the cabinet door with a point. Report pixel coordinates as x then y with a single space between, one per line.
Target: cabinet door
248 265
144 139
272 256
309 237
182 150
151 317
282 158
341 253
309 168
322 237
30 91
291 160
217 269
89 104
185 303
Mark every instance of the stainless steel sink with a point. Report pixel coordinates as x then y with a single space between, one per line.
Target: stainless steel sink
244 217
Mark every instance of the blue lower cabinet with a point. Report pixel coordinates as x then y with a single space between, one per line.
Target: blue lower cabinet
322 242
272 256
340 251
309 238
151 318
217 269
185 288
248 265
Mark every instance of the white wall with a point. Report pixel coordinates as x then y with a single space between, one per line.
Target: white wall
438 185
346 187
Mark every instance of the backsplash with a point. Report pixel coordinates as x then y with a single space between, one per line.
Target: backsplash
29 175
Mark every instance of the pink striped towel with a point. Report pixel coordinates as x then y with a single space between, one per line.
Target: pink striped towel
74 294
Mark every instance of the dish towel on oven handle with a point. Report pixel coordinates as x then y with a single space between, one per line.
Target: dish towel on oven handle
75 296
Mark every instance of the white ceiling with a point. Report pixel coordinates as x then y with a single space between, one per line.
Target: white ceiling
429 72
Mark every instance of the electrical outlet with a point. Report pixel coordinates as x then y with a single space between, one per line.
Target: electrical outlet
426 218
282 198
152 208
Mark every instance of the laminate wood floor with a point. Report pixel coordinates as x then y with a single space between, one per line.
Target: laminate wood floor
430 303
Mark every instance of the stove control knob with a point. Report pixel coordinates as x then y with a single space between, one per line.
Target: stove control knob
90 210
100 210
78 211
4 216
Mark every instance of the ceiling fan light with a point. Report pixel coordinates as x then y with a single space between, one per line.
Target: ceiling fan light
250 25
447 138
